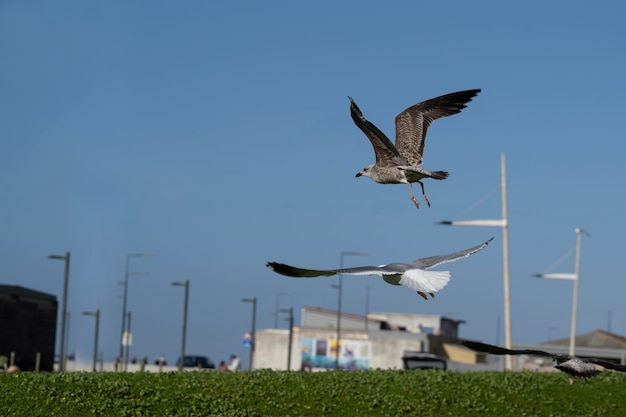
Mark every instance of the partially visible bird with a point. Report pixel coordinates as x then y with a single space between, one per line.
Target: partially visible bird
572 365
411 275
402 163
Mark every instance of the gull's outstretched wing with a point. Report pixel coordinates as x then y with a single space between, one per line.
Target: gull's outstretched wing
292 271
386 152
433 261
412 124
607 364
497 350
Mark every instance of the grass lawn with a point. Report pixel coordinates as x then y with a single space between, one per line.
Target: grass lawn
269 393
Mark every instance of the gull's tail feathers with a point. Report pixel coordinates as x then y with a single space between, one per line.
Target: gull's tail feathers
425 281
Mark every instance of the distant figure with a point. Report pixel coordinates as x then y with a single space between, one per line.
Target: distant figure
160 360
235 363
223 366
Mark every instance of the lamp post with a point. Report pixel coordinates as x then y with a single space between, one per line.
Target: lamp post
253 301
290 311
503 223
278 307
129 341
340 290
96 314
125 298
367 306
66 279
575 277
182 348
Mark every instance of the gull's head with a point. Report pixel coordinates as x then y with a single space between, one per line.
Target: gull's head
367 171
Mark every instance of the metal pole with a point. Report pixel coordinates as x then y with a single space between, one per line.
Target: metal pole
340 290
95 342
367 306
96 314
505 243
128 342
185 308
504 223
253 332
277 311
572 336
290 311
64 307
338 338
66 281
182 349
290 338
124 308
253 301
125 297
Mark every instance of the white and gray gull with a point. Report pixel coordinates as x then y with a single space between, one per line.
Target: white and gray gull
572 365
402 163
412 275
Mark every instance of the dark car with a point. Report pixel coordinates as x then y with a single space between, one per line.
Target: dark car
423 361
196 361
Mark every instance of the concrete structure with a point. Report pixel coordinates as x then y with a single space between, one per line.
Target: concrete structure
28 321
376 341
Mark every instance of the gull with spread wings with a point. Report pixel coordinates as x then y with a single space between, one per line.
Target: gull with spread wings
572 365
402 163
412 275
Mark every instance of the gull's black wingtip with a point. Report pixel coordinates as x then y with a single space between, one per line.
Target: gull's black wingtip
445 222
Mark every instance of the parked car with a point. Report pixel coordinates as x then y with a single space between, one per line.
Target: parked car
196 361
423 361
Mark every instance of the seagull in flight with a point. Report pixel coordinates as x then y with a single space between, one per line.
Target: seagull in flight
402 163
571 365
412 275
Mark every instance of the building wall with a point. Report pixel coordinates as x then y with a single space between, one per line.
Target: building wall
385 347
415 323
327 319
28 323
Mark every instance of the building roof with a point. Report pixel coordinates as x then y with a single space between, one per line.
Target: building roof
16 290
596 339
334 312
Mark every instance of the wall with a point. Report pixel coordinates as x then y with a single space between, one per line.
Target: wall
385 351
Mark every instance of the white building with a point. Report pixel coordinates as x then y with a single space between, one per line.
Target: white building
376 341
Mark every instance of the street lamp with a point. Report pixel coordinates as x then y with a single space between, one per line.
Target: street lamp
575 277
182 348
290 311
128 341
253 332
340 290
124 327
277 307
503 223
367 306
96 314
66 279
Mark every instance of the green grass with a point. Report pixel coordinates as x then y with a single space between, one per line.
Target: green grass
269 393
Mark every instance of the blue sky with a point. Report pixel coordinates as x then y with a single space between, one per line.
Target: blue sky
217 137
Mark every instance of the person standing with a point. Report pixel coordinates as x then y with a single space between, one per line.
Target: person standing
223 367
235 363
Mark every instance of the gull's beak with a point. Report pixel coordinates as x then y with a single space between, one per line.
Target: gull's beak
358 175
